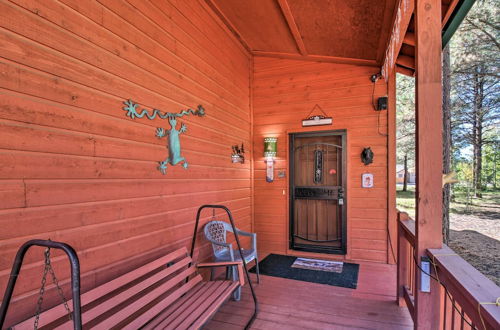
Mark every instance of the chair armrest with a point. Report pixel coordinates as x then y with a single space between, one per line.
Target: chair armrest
244 233
252 235
219 264
239 264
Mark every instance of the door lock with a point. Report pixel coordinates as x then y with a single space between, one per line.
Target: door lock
341 196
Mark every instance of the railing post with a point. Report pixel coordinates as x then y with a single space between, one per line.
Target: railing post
429 158
402 280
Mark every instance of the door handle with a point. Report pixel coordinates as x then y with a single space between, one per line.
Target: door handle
341 196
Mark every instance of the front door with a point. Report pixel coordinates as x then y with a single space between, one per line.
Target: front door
317 196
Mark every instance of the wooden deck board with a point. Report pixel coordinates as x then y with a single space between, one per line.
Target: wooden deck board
291 304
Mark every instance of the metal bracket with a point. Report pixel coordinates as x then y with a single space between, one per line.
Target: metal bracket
75 278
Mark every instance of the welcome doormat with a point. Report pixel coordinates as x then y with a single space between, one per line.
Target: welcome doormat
282 266
317 264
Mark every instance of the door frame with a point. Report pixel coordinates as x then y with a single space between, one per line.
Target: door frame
291 166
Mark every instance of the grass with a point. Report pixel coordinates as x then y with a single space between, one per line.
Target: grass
460 204
405 200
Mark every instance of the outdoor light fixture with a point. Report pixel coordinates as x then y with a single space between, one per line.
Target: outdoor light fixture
270 151
367 156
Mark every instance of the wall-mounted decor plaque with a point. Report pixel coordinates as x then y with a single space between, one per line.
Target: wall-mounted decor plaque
173 141
367 180
317 120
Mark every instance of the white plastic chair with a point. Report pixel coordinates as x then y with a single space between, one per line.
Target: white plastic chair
216 233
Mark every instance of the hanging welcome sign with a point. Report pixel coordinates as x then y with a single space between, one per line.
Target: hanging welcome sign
173 141
317 120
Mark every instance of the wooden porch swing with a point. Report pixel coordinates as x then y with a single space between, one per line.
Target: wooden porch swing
166 293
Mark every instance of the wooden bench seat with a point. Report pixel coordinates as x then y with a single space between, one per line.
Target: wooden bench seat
167 293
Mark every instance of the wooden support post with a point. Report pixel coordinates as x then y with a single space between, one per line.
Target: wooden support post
392 225
429 158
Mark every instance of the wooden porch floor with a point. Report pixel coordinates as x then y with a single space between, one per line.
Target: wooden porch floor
290 304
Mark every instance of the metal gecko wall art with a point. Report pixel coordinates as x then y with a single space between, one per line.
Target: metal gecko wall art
173 141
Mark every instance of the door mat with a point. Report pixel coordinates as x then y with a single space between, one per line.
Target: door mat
318 264
282 266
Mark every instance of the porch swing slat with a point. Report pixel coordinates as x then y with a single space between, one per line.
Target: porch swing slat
152 312
175 309
132 308
159 293
123 296
203 318
195 310
59 311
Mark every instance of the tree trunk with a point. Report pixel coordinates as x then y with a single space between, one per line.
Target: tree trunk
478 141
479 162
405 176
475 133
446 142
495 146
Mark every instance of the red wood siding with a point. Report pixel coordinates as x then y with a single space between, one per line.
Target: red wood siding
284 92
74 168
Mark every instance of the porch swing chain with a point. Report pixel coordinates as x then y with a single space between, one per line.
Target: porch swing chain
48 269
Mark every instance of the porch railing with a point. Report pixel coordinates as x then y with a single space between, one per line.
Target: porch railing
468 298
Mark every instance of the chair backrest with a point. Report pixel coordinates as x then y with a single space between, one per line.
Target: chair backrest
215 232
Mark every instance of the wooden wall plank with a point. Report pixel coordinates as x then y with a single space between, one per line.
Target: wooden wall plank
12 194
57 192
74 168
24 222
39 113
79 76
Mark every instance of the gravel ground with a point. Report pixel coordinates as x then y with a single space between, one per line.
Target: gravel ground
474 230
476 237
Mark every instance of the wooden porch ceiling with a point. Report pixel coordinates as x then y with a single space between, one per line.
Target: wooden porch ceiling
354 31
311 30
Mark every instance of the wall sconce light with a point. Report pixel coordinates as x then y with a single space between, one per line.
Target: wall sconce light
270 148
270 151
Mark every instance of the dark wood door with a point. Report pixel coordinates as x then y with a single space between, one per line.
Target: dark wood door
317 205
